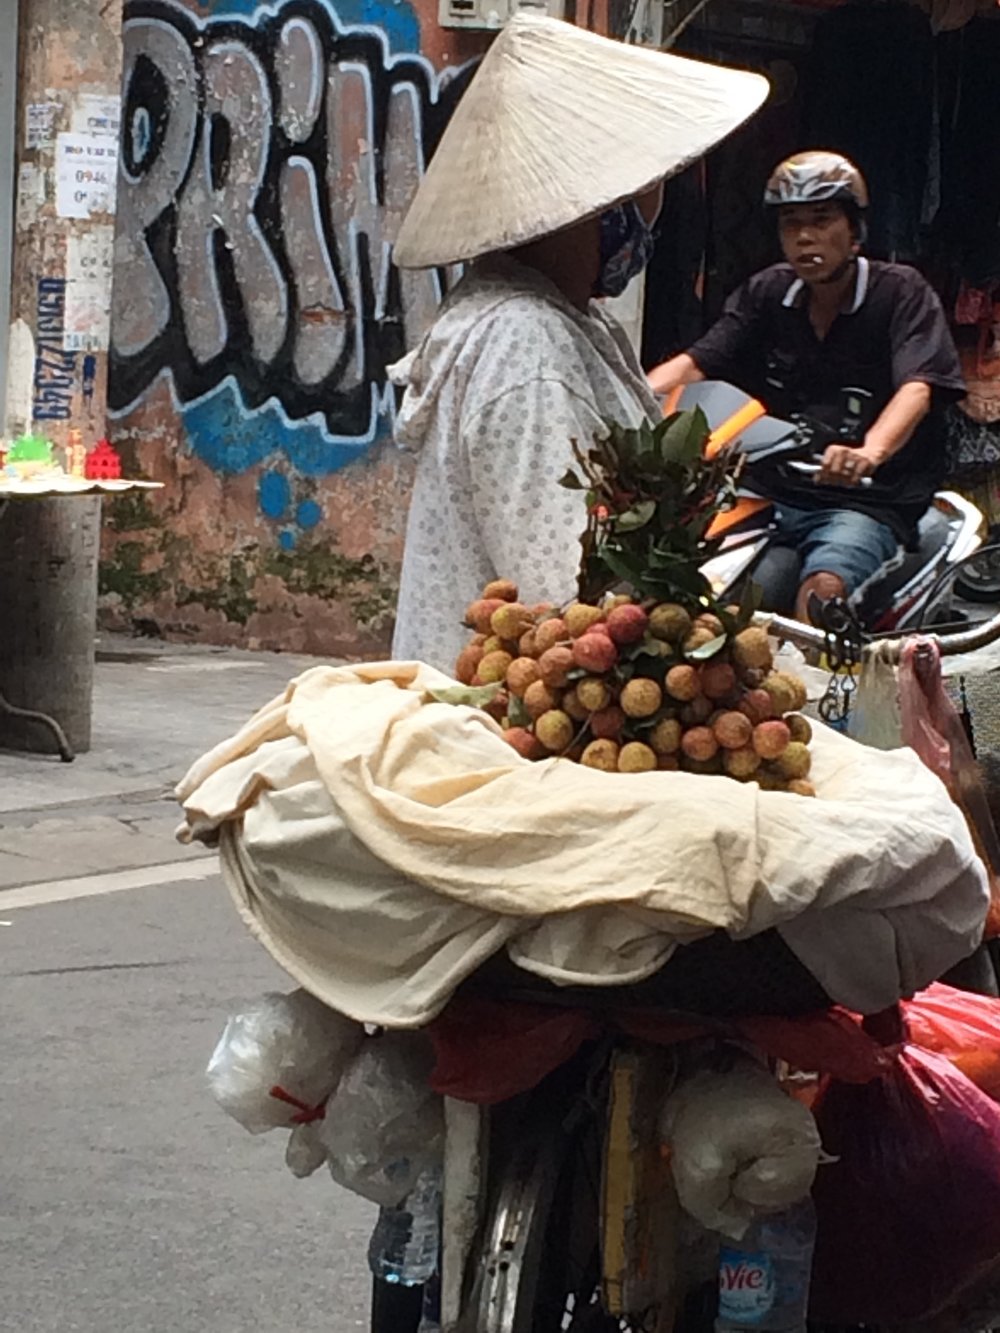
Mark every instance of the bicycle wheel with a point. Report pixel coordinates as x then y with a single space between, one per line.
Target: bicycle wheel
539 1268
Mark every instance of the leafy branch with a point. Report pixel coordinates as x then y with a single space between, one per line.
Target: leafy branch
652 495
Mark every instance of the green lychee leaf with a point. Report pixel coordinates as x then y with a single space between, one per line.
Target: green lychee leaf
472 696
621 566
518 714
707 650
730 622
650 647
571 481
684 438
638 516
750 601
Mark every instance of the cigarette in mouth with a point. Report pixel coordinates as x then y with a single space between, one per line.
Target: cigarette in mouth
815 259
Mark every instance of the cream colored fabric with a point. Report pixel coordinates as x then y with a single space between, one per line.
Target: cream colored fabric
382 845
557 125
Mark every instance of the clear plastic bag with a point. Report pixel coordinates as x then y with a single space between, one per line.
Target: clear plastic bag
384 1125
278 1060
305 1153
739 1146
874 718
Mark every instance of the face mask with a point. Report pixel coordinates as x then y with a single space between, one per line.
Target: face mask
626 248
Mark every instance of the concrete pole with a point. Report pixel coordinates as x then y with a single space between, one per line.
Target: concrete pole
69 74
8 112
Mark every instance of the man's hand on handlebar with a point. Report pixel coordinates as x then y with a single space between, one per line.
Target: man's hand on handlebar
847 465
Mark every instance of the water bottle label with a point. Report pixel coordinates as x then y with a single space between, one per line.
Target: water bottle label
746 1286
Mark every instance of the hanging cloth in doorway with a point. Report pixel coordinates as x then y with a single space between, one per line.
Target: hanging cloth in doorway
882 123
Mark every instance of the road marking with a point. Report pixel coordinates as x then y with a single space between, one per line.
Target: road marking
118 881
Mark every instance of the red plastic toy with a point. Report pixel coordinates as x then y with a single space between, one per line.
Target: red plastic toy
103 463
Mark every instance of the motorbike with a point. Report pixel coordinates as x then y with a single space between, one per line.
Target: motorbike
913 590
558 1210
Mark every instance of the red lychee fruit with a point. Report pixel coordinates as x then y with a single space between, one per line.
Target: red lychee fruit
555 664
493 667
717 680
733 731
607 723
504 589
549 633
683 683
771 739
479 614
468 663
594 652
757 705
521 673
627 624
539 698
524 742
699 743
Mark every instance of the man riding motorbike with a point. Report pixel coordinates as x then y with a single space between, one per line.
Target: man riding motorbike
859 345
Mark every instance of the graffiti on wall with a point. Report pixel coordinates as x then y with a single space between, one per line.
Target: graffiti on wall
268 158
55 368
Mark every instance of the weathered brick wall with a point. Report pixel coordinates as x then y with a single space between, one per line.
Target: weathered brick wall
268 156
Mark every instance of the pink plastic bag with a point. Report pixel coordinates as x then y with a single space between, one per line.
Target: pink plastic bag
909 1213
964 1028
932 727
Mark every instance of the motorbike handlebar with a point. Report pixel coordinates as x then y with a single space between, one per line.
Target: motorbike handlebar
949 645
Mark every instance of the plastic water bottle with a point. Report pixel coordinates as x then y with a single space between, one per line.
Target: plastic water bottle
406 1241
431 1321
764 1278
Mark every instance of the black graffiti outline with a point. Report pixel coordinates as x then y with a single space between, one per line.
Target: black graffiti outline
347 411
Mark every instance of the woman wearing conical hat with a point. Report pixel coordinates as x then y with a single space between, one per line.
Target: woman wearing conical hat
546 184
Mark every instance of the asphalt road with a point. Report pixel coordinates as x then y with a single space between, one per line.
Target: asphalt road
129 1203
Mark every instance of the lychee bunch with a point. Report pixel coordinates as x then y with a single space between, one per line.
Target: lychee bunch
627 687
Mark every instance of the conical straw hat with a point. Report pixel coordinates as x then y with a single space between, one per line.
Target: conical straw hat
559 124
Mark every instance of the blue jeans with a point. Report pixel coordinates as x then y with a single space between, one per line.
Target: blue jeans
836 541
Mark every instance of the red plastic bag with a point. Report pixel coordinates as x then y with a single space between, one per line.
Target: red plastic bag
932 727
490 1050
964 1028
909 1214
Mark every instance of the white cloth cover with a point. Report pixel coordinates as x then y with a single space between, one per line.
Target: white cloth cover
382 845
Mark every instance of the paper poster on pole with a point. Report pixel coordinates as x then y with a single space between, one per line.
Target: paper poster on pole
86 175
30 195
20 371
89 266
40 124
98 114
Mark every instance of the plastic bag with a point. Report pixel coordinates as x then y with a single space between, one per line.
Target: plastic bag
384 1124
964 1028
909 1213
874 718
792 659
305 1153
739 1146
278 1061
931 726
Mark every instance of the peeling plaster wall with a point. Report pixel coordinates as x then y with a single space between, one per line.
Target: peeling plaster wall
268 155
